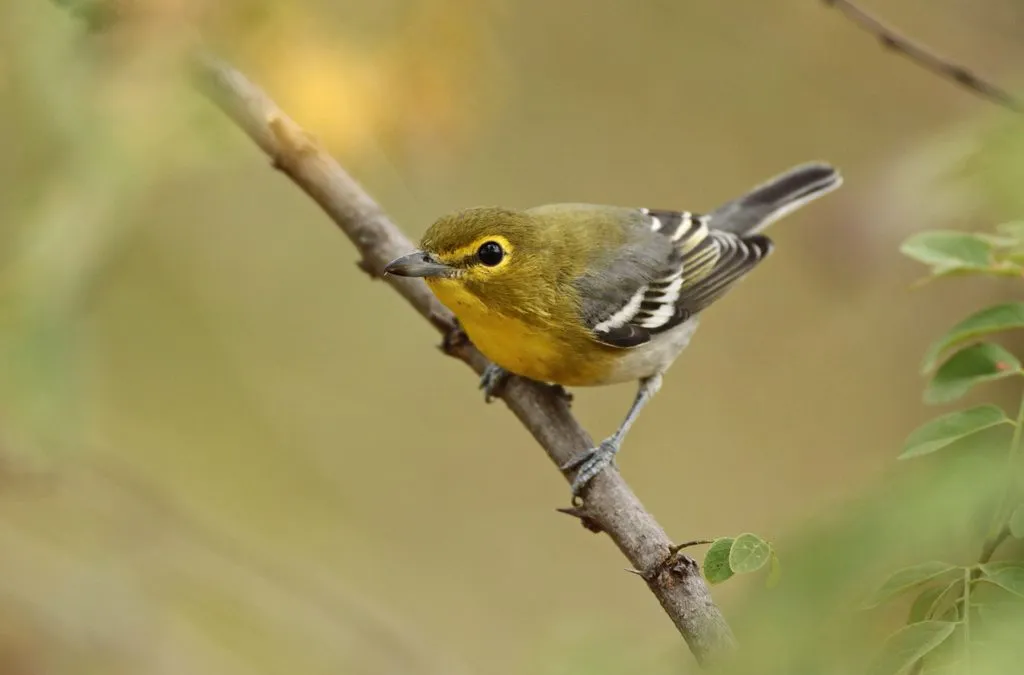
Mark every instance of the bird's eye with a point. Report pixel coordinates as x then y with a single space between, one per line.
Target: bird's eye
490 253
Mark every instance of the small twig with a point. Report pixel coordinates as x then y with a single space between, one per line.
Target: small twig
676 548
926 58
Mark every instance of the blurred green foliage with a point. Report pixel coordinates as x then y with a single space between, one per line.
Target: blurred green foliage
950 599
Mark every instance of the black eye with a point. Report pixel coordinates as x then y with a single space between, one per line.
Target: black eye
490 253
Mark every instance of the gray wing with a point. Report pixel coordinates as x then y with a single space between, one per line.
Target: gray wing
672 267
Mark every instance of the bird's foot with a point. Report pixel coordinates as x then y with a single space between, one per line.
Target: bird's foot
562 393
454 338
591 463
492 380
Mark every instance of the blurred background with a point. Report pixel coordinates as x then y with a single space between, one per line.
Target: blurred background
216 453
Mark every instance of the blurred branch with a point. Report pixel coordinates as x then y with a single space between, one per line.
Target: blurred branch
926 58
674 579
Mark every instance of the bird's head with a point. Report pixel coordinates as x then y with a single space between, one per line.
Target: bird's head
497 255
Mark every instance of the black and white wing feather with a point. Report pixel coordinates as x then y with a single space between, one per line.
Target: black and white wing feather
695 266
676 263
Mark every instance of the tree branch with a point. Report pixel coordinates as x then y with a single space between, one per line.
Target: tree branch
926 58
610 505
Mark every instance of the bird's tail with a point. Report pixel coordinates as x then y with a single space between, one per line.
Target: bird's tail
776 198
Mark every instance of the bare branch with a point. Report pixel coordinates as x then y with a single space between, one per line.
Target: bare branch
610 505
926 58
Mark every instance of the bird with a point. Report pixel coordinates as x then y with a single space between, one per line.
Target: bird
583 295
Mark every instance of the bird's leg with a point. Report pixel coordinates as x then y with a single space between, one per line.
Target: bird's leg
493 378
594 461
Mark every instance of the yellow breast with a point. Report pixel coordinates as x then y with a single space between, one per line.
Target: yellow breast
537 350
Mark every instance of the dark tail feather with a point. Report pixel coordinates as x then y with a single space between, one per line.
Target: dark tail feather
776 198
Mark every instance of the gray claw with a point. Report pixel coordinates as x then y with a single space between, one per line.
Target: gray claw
492 380
591 463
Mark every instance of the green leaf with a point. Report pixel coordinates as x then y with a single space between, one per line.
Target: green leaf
749 553
943 431
987 321
948 249
907 578
998 240
947 600
970 366
908 645
951 271
947 658
716 561
1010 578
923 604
1017 522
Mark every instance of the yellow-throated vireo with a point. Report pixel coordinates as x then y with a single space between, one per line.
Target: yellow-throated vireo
587 295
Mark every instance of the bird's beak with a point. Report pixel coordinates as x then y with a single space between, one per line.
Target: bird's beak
418 264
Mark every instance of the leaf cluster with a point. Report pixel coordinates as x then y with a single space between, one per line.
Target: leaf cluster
743 554
955 603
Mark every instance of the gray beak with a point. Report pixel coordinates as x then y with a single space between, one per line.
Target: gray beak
418 264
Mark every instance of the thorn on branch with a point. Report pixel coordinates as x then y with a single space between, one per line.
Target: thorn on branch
585 519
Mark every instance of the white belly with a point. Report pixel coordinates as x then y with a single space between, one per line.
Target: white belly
655 356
